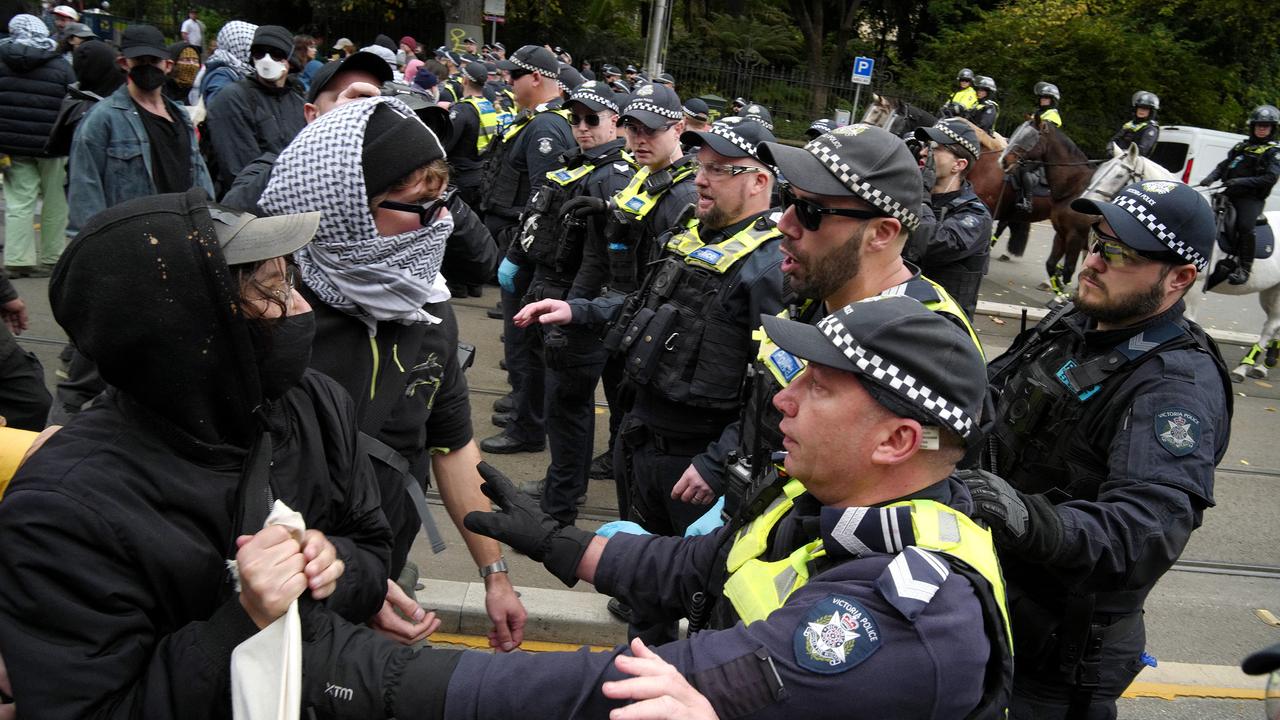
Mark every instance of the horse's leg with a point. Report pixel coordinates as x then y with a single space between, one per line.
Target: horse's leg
1269 338
1019 233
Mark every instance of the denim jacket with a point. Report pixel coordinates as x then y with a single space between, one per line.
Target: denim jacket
111 158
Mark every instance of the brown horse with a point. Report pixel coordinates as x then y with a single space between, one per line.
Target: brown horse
988 180
1068 171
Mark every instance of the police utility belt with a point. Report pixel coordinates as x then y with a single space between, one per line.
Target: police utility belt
624 226
673 335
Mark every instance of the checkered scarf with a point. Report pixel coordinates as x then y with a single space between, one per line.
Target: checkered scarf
31 31
234 40
348 264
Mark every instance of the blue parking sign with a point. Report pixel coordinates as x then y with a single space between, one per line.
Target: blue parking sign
862 67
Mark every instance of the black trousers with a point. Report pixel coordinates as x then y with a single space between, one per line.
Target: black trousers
1040 693
522 349
24 400
650 464
574 361
1247 211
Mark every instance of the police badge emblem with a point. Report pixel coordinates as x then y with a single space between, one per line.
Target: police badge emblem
836 635
1177 431
1159 187
544 146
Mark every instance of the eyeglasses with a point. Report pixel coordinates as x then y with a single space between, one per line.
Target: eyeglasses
1112 249
810 213
517 74
591 120
426 211
259 52
644 130
723 170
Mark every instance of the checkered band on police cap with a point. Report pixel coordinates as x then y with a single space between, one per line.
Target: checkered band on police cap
587 91
515 60
945 128
902 383
822 150
724 128
650 106
1144 215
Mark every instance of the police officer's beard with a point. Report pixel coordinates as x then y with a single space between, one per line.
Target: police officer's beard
823 277
1119 309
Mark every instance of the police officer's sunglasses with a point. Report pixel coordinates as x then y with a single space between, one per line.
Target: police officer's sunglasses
591 120
644 130
426 211
810 213
1112 249
723 170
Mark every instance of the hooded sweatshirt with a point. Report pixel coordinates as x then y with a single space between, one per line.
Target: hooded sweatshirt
33 80
113 586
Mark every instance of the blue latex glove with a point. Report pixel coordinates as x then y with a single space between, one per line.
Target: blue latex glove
610 529
709 522
507 275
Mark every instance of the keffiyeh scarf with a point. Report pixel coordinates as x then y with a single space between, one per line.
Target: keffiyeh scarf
348 264
234 40
31 31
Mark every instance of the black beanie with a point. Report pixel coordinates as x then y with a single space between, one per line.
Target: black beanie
394 146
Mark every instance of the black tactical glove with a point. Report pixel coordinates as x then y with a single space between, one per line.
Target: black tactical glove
522 525
583 206
1024 523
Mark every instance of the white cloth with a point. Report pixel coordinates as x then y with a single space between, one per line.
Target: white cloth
266 669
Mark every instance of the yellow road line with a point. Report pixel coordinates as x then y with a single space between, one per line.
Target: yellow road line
1170 691
482 643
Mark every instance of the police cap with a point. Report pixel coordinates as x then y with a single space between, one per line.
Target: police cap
956 134
883 340
734 137
1159 216
655 106
820 127
535 59
594 96
859 160
697 109
759 113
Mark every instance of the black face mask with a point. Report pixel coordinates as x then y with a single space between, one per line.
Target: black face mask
146 77
282 349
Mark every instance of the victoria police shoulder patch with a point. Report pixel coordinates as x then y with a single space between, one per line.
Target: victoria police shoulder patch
836 635
1177 430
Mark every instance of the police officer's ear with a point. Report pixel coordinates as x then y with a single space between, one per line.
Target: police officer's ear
962 165
1181 278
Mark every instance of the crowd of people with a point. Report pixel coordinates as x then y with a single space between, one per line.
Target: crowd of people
815 464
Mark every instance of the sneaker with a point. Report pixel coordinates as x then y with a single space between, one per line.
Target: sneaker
601 466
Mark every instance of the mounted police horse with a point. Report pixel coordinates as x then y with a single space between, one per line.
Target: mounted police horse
1068 171
896 115
1264 280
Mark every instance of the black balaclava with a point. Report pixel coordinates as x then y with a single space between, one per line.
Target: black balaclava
95 66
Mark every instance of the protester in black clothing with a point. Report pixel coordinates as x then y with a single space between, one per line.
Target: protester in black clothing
257 114
186 64
96 69
24 401
205 341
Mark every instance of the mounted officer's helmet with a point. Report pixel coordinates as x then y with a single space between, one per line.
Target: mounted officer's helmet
1145 99
964 74
986 83
1044 89
1264 114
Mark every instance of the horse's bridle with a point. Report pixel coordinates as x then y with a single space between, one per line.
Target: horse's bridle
1133 174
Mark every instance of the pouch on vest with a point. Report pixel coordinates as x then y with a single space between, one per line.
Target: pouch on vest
649 343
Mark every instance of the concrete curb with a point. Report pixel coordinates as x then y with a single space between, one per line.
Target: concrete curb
1035 314
554 615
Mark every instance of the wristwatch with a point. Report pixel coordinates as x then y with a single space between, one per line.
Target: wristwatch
491 568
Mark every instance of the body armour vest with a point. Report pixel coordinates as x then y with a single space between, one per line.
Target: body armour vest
674 334
625 228
490 122
757 587
502 182
547 237
1048 396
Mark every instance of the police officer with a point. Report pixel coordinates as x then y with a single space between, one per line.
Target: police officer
759 113
1110 417
563 224
853 196
986 109
499 92
1047 97
963 99
955 249
737 105
697 116
1248 173
686 334
476 124
632 75
1143 128
526 151
857 590
613 78
819 127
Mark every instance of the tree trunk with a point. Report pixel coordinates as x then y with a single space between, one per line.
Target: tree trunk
809 16
467 12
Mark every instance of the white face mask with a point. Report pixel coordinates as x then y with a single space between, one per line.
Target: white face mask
269 69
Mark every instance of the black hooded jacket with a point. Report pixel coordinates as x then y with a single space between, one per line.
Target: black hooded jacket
32 84
114 595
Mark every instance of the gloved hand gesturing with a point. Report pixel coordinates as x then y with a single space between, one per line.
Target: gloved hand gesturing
521 524
1026 523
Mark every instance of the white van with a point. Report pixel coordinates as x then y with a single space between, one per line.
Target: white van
1192 152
